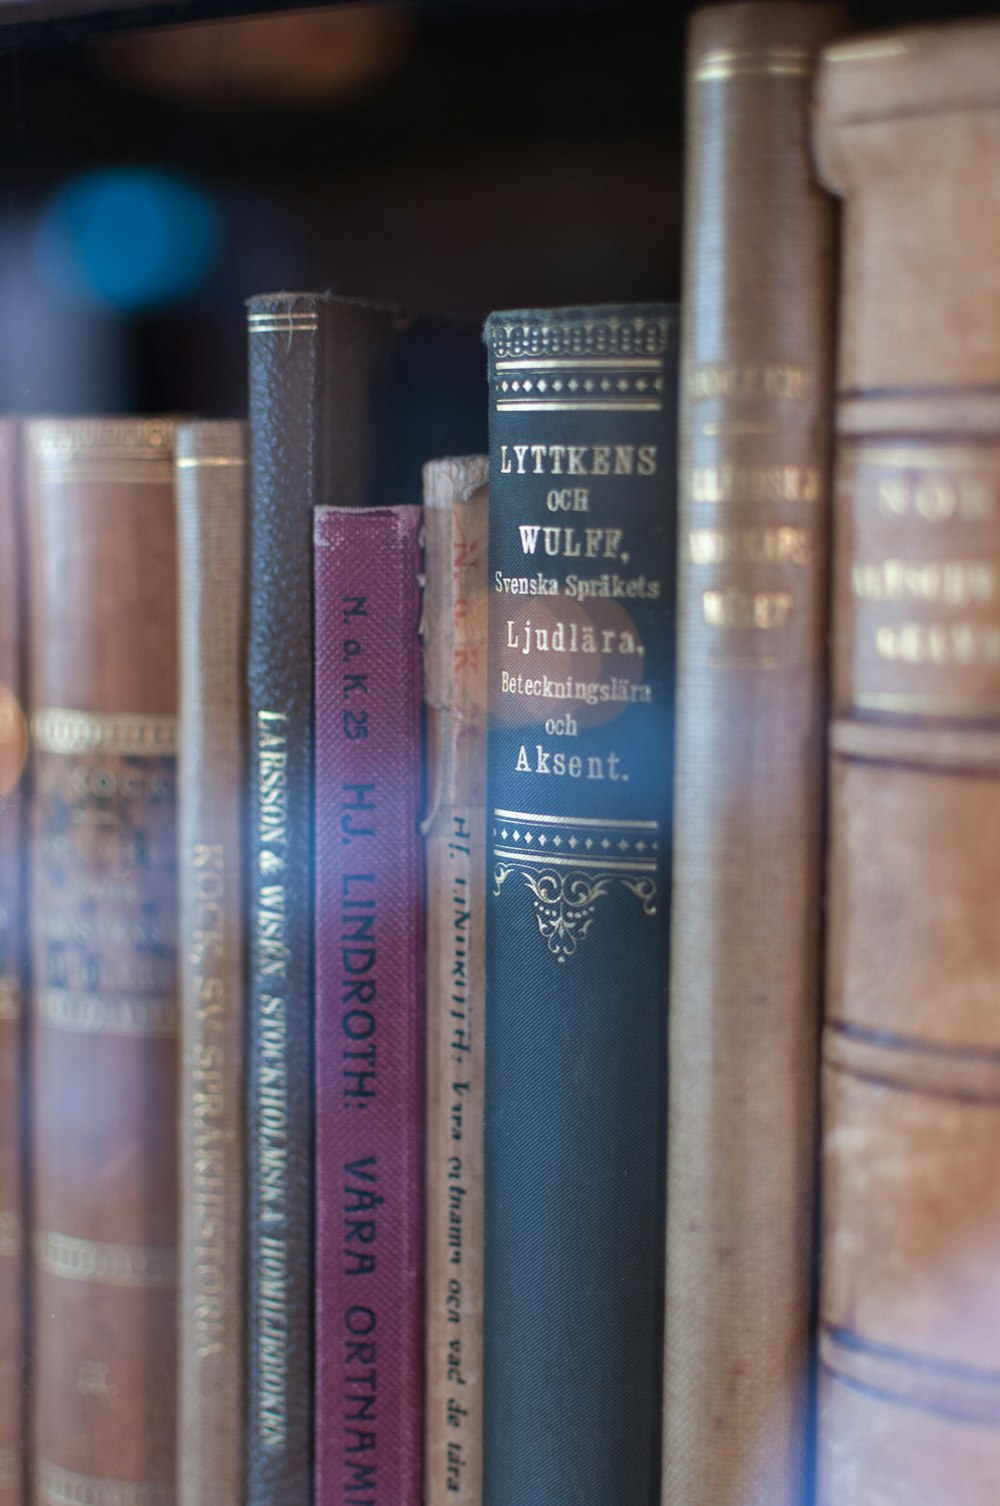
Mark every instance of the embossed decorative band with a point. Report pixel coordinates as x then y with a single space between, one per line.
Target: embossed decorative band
911 1379
11 1234
110 1265
575 336
10 997
565 886
107 1014
924 457
64 1487
55 440
57 730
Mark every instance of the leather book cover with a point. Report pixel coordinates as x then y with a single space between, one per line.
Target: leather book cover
369 1008
317 367
102 653
12 974
581 621
908 131
756 385
211 543
456 523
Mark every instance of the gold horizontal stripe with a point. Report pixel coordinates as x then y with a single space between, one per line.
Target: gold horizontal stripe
107 472
282 326
740 427
582 363
774 67
10 997
856 52
735 662
110 1265
11 1234
594 821
558 405
64 1487
190 462
781 52
968 708
107 1014
54 729
923 457
522 858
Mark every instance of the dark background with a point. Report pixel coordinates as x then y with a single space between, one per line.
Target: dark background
447 157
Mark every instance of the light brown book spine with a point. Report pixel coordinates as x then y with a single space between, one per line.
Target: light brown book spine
756 377
102 640
12 755
457 537
211 538
908 130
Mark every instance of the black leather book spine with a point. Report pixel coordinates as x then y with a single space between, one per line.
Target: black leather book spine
582 517
316 367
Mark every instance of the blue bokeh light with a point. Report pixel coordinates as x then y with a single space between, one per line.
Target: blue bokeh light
130 237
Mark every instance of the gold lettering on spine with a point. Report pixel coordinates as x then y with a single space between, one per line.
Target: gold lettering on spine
111 1265
106 1014
926 626
208 1106
755 483
271 1128
768 379
54 729
64 1487
756 546
954 582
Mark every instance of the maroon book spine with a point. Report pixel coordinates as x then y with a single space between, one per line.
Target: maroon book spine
369 1008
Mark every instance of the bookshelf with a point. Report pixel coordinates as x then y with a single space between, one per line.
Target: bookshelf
448 158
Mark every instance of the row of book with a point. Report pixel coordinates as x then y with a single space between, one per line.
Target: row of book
492 1195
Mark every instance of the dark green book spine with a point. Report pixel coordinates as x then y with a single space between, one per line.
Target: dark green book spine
581 615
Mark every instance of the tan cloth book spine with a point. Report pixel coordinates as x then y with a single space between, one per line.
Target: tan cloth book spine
12 755
908 130
211 538
102 640
756 378
456 544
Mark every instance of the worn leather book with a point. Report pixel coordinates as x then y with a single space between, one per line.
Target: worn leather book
369 1008
211 538
908 130
745 967
316 366
454 633
582 521
102 642
12 1097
